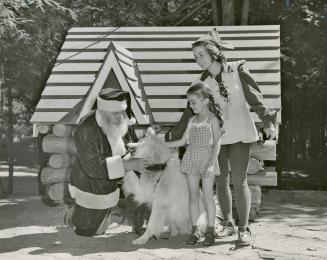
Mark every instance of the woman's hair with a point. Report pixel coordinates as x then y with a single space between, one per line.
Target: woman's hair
202 90
214 51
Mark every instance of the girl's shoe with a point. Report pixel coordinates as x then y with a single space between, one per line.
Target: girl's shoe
244 238
209 239
193 239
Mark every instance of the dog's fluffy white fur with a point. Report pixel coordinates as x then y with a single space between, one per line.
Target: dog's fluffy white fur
165 191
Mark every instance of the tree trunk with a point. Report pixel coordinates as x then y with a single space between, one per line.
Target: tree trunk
2 82
215 12
245 12
10 140
228 13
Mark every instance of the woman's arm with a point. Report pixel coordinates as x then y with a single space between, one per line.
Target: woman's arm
254 97
216 134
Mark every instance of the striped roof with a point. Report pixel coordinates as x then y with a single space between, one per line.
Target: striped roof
154 61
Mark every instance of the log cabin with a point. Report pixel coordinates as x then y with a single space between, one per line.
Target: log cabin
156 65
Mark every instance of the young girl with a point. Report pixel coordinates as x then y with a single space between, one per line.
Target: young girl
202 137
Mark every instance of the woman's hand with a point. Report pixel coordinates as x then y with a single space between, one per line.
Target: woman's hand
270 131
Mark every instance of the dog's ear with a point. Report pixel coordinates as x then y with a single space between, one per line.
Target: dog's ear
150 132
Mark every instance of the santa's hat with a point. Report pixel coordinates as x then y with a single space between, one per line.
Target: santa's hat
114 100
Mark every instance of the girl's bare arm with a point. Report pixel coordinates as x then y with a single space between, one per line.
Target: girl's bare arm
180 142
216 134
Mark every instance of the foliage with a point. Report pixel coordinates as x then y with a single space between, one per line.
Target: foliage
30 41
32 32
140 12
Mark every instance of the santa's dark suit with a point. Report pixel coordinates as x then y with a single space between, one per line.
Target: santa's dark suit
95 175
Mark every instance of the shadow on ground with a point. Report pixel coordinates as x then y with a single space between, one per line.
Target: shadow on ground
292 223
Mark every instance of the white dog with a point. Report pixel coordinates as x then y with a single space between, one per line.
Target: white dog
165 191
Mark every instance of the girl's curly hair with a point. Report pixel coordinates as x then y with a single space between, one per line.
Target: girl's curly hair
202 90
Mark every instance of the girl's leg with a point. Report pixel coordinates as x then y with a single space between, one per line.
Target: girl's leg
194 195
239 155
222 184
207 190
193 183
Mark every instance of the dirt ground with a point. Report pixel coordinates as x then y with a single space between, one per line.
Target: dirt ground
293 225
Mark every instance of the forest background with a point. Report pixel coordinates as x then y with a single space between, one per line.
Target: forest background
33 31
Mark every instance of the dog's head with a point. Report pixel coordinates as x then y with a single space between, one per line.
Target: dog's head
152 148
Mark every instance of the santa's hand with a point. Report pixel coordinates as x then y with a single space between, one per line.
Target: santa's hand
270 131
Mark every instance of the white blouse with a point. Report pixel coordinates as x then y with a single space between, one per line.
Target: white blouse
238 122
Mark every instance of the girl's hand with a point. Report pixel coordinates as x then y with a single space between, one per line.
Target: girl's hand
209 170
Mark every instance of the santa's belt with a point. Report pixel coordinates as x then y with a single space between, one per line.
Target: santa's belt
94 201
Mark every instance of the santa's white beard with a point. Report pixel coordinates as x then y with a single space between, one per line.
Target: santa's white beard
115 131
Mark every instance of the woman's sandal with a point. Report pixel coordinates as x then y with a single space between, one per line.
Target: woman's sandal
209 239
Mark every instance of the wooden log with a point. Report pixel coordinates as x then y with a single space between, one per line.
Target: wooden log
58 191
254 212
268 177
54 144
254 166
62 130
42 128
264 150
59 160
255 209
50 175
255 191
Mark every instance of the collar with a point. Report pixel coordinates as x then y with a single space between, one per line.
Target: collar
225 68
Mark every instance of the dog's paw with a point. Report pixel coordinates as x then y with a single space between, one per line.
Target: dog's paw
139 241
